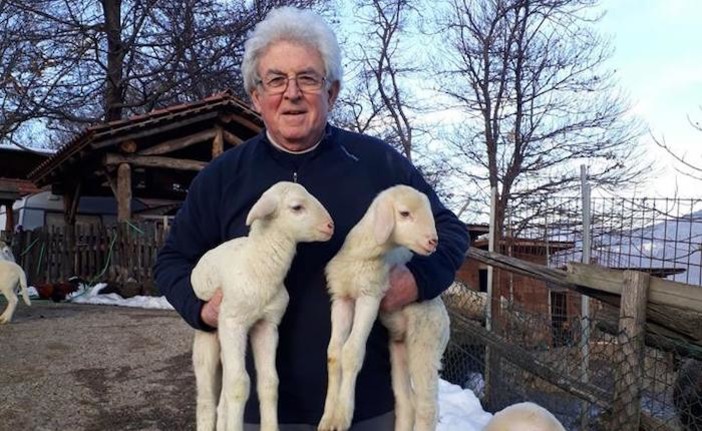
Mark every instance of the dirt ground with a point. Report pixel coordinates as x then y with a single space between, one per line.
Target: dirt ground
87 367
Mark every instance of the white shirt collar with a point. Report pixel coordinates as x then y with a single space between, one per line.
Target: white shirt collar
281 148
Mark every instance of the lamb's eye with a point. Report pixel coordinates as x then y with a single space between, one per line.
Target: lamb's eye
404 214
296 208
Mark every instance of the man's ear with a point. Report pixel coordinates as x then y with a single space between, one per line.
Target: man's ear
256 100
333 93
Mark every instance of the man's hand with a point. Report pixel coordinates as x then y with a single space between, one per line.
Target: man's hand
403 289
210 311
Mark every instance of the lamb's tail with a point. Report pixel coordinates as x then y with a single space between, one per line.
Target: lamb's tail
23 286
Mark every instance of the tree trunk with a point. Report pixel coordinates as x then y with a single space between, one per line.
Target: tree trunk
114 87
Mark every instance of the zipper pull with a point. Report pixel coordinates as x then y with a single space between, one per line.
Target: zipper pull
295 177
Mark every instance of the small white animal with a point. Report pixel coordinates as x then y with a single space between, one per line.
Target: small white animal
6 252
250 271
524 417
398 219
11 275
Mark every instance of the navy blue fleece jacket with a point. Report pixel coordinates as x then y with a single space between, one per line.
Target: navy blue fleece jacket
345 172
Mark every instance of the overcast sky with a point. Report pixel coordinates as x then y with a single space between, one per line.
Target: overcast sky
658 57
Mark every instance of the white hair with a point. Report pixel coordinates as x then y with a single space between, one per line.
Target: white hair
292 25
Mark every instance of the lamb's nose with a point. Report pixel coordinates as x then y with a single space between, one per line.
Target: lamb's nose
433 242
330 226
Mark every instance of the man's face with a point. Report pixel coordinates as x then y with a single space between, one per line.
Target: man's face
294 119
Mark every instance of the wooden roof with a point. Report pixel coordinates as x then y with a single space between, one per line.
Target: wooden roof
15 188
17 163
83 159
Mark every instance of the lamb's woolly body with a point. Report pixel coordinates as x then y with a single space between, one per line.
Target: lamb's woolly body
358 278
263 259
524 417
12 275
250 272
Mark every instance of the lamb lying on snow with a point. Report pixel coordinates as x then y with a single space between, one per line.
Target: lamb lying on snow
524 417
250 272
11 275
399 218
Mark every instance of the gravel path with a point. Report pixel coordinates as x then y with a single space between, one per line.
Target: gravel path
87 367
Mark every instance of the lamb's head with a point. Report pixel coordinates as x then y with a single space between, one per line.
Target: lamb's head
402 217
6 252
292 209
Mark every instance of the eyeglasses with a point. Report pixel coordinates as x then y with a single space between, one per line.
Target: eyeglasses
306 83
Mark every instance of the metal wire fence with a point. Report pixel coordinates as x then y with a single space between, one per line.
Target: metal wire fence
539 346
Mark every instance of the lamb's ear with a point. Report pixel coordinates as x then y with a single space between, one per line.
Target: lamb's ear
264 207
383 220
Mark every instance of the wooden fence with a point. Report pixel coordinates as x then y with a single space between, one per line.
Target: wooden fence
641 312
95 253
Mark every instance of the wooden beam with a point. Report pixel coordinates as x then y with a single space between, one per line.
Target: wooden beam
9 215
675 323
129 146
124 192
110 179
71 199
155 162
217 143
243 121
142 132
231 138
626 408
179 143
664 292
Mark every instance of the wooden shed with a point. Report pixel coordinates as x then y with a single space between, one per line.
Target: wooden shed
15 164
151 156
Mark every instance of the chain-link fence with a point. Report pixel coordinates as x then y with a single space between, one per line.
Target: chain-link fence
538 346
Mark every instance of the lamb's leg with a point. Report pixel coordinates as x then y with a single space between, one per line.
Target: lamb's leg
207 377
424 360
235 380
264 342
401 386
341 320
352 355
11 297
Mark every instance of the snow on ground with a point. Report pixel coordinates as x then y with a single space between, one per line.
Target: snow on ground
459 409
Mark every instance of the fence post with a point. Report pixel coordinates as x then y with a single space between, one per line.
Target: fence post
626 408
492 358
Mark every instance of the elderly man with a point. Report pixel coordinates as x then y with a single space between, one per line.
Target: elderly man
292 71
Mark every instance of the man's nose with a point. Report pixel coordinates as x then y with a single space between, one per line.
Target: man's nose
292 91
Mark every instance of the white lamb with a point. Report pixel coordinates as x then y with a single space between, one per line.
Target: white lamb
524 417
6 252
250 271
11 275
399 218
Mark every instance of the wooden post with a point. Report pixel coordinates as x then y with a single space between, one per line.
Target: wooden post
492 357
218 143
124 192
626 408
9 215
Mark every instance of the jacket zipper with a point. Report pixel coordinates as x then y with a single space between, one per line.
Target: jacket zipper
295 177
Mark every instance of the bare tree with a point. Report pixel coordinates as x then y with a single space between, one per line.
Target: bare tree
71 63
684 165
528 77
378 101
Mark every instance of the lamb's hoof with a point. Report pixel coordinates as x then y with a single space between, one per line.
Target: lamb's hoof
4 319
340 420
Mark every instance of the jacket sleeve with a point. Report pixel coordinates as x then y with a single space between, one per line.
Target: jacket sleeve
435 273
194 231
